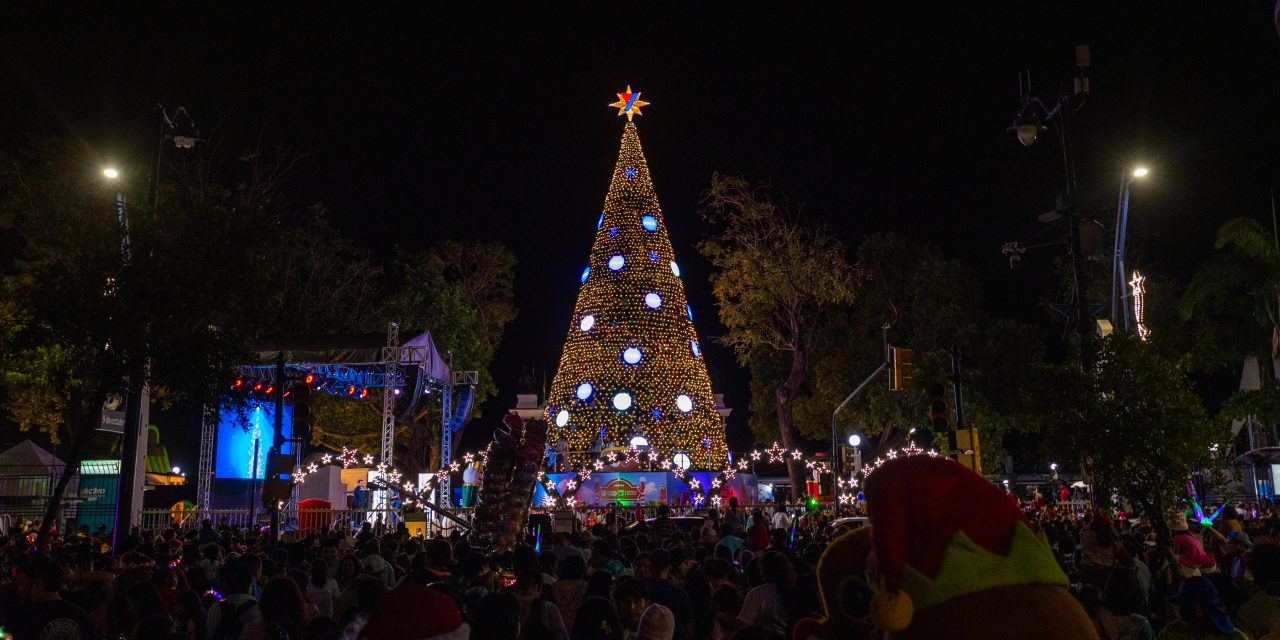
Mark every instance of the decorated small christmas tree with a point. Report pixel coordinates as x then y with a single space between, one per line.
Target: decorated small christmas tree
632 369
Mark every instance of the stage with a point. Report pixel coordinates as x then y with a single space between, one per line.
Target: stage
648 487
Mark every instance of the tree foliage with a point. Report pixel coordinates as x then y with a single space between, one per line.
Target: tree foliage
82 315
1134 424
776 280
463 293
1233 300
910 295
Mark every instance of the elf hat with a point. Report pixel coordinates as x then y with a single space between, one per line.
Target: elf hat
414 611
941 531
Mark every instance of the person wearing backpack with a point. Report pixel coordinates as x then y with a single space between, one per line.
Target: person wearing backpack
228 617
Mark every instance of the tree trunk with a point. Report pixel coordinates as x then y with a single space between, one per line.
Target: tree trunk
783 395
70 465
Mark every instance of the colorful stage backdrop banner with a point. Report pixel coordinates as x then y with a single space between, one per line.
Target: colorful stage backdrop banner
647 487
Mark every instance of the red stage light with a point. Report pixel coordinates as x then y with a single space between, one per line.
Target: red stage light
270 389
257 387
364 392
351 390
239 383
288 393
310 378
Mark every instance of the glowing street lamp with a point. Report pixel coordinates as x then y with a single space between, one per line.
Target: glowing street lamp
110 173
855 440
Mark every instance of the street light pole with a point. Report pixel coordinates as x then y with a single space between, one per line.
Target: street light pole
128 494
1118 290
835 443
1119 276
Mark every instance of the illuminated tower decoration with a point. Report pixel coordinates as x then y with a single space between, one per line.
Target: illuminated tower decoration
632 366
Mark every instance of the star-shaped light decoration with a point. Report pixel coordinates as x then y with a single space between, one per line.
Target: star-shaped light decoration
755 455
796 454
453 466
693 482
742 464
613 457
633 455
368 459
469 458
326 458
715 500
570 485
776 453
629 104
630 173
598 465
586 474
715 484
730 473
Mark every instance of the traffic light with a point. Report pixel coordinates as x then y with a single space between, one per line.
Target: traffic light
904 369
303 410
939 407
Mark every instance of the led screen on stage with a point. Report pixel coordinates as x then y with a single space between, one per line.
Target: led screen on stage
238 430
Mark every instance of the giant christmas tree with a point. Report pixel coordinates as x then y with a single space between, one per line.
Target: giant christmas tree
632 365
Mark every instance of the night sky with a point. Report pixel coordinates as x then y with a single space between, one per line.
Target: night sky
426 125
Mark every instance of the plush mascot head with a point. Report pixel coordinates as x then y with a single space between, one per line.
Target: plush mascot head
948 556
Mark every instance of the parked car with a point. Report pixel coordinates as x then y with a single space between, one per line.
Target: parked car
685 523
841 525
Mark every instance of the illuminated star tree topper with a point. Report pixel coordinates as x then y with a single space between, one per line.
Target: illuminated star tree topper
629 104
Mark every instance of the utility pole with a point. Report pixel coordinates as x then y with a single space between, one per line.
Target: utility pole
1028 124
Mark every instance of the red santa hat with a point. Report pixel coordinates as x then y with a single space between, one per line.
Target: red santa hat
414 611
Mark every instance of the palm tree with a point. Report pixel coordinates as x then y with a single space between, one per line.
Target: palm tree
1233 299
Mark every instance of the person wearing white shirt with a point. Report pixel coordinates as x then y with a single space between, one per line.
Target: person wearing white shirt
780 519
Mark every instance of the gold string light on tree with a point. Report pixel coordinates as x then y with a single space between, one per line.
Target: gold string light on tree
632 366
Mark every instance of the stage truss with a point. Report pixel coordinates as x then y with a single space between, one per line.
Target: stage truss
388 370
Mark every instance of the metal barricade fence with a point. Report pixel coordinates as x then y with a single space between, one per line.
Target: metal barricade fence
306 521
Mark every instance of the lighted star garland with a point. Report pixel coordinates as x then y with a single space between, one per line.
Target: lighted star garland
417 495
567 498
854 485
631 364
411 495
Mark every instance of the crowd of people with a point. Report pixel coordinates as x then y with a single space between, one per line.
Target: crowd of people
733 575
736 573
1216 578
